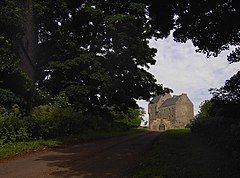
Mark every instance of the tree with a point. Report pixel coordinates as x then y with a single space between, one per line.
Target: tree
211 25
96 52
205 110
230 92
14 84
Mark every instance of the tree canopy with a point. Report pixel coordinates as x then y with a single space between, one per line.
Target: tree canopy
96 52
211 25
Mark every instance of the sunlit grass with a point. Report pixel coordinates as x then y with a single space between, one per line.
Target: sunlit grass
23 147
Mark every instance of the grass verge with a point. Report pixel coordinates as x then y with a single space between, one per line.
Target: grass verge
24 147
13 149
178 153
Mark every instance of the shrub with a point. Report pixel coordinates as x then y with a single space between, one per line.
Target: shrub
127 120
12 126
7 98
50 121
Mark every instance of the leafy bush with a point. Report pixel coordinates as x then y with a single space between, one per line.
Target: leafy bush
49 121
7 98
60 119
127 120
45 121
12 126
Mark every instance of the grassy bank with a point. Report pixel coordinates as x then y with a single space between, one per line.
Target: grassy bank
9 150
178 153
24 147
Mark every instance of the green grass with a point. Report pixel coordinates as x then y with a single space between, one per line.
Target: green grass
8 150
178 153
24 147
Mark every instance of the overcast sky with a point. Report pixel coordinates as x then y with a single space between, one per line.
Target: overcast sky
183 70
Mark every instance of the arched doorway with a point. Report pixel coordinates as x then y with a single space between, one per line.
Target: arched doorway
162 127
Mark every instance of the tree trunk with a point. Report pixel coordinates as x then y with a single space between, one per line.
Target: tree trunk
28 44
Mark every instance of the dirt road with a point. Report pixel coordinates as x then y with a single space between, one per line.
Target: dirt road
111 157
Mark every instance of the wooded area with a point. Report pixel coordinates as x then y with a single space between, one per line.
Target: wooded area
69 66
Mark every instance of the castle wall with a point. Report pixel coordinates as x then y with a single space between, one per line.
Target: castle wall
184 112
160 124
154 109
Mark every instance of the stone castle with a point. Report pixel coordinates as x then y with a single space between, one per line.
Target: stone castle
167 112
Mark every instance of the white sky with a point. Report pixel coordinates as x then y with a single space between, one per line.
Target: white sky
183 70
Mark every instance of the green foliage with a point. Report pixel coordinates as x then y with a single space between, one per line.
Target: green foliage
44 121
12 126
93 56
126 120
133 118
230 92
205 110
218 121
10 17
51 121
8 98
14 84
11 76
96 57
199 22
61 101
12 149
60 119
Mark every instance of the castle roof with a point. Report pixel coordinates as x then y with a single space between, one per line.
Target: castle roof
170 101
155 99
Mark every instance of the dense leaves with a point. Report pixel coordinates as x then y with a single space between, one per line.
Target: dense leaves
96 52
211 25
230 92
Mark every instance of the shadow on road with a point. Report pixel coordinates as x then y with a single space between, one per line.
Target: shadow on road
103 158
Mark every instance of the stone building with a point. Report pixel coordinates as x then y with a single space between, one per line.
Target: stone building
167 112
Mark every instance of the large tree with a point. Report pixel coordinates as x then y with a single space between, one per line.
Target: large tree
96 52
14 84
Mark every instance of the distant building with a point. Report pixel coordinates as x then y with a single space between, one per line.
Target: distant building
167 112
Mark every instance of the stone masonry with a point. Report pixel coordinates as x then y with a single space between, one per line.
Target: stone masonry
170 112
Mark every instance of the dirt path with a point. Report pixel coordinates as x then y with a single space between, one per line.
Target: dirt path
103 158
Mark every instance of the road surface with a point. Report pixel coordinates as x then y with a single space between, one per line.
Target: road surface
112 157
